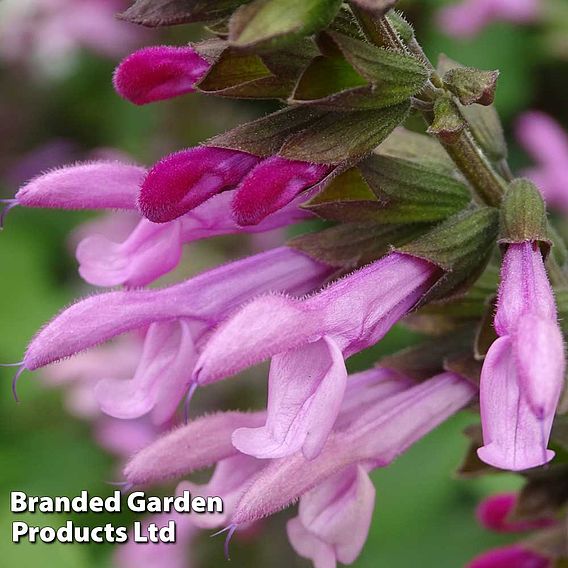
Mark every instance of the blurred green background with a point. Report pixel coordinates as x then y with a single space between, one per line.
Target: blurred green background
424 515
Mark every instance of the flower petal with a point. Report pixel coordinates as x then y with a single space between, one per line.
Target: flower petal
513 436
306 387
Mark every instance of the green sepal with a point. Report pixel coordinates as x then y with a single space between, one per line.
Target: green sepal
472 85
448 123
338 137
461 246
240 74
270 24
156 13
357 76
484 121
349 245
523 215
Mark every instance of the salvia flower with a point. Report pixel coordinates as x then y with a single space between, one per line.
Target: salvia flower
334 518
373 438
547 143
159 72
176 320
308 340
523 372
383 413
469 17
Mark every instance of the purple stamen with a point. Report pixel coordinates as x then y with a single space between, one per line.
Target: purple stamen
230 530
10 204
15 383
12 364
187 402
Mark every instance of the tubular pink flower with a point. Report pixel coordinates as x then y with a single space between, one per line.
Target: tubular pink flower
96 185
523 373
469 17
374 439
197 445
513 556
271 185
181 181
308 340
545 140
159 72
179 317
229 480
494 511
153 249
334 519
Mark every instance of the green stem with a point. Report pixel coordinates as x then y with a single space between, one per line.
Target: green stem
465 153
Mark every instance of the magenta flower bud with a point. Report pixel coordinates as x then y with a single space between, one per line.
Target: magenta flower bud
514 556
523 372
183 180
96 185
334 518
159 72
494 511
271 185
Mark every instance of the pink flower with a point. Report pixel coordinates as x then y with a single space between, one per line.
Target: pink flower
523 373
159 72
334 518
176 319
308 340
547 143
469 17
513 556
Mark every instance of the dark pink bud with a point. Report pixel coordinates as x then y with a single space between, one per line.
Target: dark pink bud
510 557
272 185
159 72
493 513
180 182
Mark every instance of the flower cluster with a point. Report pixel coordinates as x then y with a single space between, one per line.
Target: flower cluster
419 225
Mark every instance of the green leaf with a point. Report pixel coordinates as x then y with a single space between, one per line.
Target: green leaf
273 23
265 136
391 190
349 245
448 123
394 75
461 247
155 13
342 136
